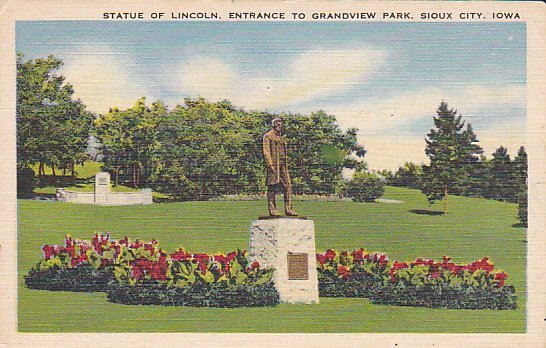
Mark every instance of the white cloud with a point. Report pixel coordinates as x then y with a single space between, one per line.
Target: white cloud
381 122
102 81
311 75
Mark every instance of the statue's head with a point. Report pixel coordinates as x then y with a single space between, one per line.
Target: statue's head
277 124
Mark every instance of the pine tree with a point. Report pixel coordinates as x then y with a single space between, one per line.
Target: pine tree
520 174
453 152
502 177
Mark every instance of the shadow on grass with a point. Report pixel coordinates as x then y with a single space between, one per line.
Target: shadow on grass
426 212
519 225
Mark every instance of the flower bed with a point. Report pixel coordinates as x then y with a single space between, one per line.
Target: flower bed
142 273
422 283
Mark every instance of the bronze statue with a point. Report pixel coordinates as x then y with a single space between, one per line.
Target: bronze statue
276 160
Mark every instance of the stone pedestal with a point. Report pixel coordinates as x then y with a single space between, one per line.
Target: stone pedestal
288 246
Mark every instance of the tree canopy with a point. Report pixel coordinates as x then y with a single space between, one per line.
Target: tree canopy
452 150
52 127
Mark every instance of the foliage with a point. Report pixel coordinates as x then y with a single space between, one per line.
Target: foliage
52 128
520 176
131 271
408 175
200 150
79 279
26 182
129 141
452 151
422 283
364 187
200 295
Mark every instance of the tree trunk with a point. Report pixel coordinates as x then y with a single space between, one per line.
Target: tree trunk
445 199
64 171
73 170
117 174
40 169
53 170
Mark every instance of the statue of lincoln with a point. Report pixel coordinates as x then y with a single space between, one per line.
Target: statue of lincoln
276 160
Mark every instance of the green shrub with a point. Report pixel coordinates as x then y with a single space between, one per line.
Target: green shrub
81 279
26 182
198 295
365 187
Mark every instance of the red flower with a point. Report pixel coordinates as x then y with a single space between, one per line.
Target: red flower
48 251
395 267
150 248
231 256
137 273
501 277
330 255
137 244
203 260
254 265
124 241
343 271
358 255
180 255
383 260
223 261
321 260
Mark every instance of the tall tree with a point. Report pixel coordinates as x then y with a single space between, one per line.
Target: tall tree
502 180
452 149
52 128
129 141
520 171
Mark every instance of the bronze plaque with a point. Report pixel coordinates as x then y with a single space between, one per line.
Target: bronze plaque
298 266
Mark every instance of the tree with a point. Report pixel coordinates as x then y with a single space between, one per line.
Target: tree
408 175
319 150
129 141
520 171
452 151
502 181
52 128
364 187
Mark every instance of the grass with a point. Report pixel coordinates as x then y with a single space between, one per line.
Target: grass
472 229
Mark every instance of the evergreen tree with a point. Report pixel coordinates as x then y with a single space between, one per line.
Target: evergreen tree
452 150
520 171
501 185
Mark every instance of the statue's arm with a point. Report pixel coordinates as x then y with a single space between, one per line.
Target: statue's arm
267 151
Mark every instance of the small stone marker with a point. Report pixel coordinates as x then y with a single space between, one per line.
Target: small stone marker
288 246
102 187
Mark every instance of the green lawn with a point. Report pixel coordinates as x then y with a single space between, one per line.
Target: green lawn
472 229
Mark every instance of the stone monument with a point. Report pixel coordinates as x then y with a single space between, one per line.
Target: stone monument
102 187
287 245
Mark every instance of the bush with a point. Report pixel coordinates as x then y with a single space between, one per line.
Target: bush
365 187
422 283
445 296
26 182
198 295
81 279
142 273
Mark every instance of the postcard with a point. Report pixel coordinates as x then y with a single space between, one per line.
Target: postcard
316 173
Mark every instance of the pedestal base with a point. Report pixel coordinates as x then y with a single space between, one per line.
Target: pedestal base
288 246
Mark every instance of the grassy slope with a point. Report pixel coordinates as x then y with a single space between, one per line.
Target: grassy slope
474 228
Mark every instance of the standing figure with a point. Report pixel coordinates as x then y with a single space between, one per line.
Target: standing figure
276 160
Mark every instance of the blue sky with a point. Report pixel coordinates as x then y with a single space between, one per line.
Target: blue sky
386 79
